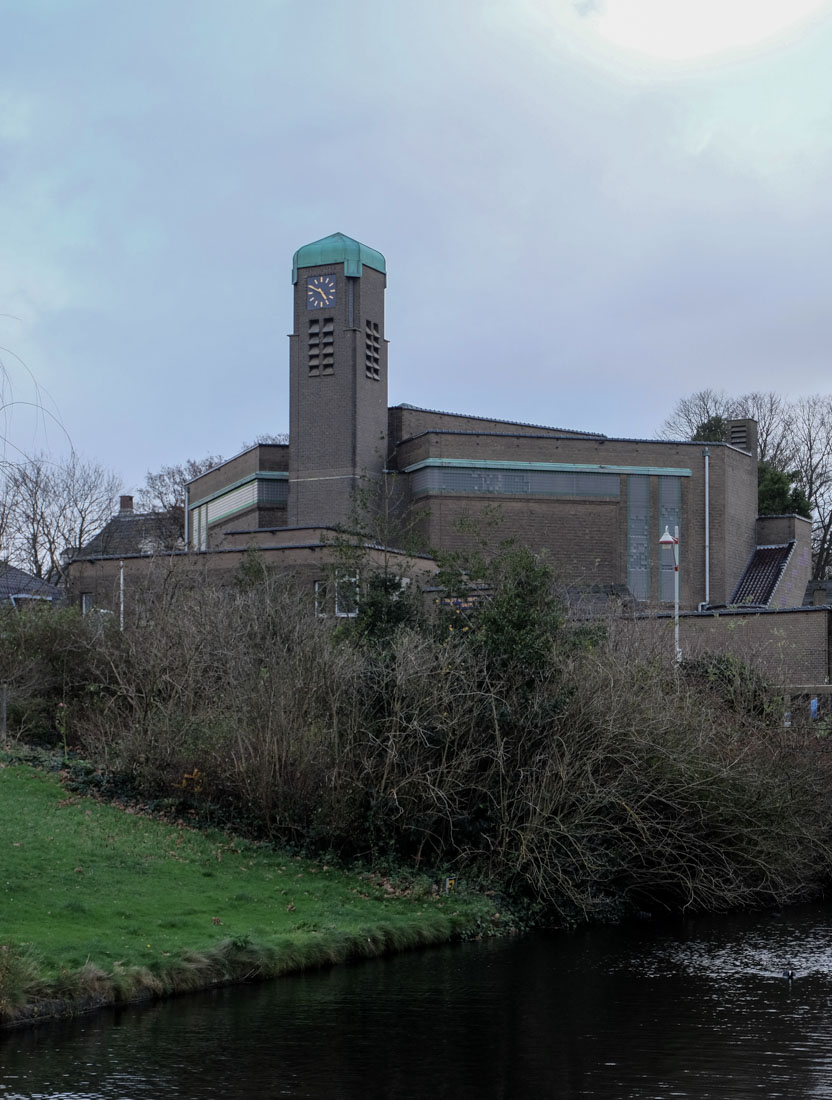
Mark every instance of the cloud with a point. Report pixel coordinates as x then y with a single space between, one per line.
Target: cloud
589 7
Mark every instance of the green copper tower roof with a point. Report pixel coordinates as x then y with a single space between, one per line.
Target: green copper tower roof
338 248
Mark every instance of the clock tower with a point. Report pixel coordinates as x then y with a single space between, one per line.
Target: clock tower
337 379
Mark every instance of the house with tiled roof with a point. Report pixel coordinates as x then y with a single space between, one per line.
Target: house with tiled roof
18 587
131 533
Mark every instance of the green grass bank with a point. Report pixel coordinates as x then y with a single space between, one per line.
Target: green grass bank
101 905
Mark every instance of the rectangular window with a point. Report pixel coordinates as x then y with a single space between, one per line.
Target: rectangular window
86 602
511 482
346 595
272 491
199 528
237 500
638 535
321 594
338 596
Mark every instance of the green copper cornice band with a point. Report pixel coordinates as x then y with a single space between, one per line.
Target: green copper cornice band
260 475
562 467
338 248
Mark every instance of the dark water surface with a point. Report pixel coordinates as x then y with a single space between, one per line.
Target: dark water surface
695 1009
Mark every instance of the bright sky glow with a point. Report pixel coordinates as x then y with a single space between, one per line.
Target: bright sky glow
686 30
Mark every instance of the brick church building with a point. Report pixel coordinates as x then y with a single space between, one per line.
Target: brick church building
595 505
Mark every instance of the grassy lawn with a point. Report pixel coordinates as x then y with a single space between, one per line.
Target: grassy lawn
100 901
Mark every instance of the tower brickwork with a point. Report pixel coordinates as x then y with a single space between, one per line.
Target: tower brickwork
337 379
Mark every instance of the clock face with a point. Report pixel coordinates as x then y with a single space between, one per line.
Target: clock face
320 291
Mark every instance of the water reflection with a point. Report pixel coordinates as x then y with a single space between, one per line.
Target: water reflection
697 1010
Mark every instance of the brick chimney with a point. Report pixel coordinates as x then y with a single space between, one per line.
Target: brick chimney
125 505
744 434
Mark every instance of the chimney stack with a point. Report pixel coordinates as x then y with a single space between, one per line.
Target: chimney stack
125 505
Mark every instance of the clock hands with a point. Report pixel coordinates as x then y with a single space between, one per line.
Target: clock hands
322 285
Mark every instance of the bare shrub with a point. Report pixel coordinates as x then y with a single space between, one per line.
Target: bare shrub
48 660
229 695
591 773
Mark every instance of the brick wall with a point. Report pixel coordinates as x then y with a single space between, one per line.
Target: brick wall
242 523
733 517
580 538
303 554
263 456
549 524
791 647
407 422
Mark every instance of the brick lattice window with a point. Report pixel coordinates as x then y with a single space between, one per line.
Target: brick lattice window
321 345
372 350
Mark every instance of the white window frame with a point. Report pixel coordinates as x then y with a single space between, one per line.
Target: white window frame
351 579
320 599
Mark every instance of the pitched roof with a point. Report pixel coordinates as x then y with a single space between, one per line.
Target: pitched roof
16 582
757 584
133 533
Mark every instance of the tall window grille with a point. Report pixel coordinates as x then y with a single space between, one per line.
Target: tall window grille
638 535
272 491
670 511
321 345
372 350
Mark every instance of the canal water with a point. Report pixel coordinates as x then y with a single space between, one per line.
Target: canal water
696 1008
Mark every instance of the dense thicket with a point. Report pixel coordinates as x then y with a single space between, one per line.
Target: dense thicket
493 735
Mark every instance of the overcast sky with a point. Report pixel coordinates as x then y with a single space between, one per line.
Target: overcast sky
577 230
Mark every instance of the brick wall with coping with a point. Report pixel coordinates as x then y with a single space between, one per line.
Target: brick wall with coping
303 555
405 422
776 531
791 646
569 529
272 457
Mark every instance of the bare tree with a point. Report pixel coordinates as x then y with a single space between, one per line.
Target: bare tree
164 491
795 437
51 507
692 411
268 437
811 435
771 411
773 414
